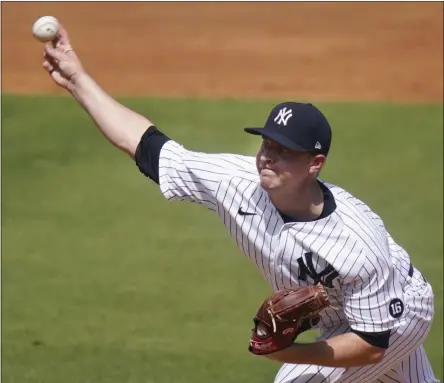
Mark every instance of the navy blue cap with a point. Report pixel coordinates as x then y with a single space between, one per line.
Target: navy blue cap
297 126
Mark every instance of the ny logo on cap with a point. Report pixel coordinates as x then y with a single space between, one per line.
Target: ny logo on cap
283 116
318 145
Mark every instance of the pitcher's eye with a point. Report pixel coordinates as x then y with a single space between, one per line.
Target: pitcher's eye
274 147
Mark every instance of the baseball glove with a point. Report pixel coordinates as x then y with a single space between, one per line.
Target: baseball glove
284 315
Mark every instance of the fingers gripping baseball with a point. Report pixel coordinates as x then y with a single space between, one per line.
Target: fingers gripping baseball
61 61
55 54
62 37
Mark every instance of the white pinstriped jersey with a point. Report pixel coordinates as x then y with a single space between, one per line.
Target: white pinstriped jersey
350 252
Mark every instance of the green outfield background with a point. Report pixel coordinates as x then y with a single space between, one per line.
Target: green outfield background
105 281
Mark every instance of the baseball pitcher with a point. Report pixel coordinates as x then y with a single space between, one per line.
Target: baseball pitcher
325 253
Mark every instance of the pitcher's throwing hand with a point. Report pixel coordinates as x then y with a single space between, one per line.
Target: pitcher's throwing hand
61 61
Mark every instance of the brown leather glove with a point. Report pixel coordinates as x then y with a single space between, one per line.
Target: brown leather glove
284 315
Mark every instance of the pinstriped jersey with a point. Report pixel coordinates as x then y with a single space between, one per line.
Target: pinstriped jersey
364 271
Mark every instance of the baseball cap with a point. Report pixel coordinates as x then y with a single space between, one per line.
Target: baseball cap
297 126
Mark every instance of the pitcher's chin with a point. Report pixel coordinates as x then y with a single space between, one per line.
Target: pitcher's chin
268 182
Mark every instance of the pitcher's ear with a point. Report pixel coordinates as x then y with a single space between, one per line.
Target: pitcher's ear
316 163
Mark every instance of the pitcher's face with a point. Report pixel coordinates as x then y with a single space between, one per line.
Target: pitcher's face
282 168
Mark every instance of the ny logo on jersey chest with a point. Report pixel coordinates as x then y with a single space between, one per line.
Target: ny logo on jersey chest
307 268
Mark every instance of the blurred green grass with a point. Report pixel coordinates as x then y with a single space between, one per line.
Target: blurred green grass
105 281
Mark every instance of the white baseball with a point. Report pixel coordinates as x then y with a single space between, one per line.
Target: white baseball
45 28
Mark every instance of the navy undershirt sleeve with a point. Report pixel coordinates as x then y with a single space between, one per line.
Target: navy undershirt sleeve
148 152
378 339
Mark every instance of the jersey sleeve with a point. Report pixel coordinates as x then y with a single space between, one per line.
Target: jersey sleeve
193 176
373 301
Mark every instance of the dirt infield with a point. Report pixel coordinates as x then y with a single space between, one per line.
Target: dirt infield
346 51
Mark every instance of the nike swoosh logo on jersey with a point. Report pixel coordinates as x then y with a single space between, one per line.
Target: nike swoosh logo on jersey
241 212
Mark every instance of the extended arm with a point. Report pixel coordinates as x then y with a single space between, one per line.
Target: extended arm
181 174
120 125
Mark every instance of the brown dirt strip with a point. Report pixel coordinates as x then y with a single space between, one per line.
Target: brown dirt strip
322 51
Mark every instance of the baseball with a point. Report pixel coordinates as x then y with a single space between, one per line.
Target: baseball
45 28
